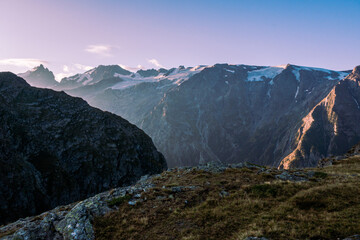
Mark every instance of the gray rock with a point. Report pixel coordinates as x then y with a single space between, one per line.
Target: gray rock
224 194
72 221
286 176
354 237
177 189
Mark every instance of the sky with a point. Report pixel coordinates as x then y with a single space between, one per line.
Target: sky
70 36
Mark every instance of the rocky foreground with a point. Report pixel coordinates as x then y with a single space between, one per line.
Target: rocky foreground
241 201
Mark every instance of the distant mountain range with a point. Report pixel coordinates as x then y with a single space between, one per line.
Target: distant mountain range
284 116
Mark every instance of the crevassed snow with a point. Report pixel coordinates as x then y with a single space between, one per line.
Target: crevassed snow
267 72
332 75
342 75
87 77
178 76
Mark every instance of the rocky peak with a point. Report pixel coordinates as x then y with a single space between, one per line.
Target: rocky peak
41 67
356 71
112 69
148 73
288 66
40 76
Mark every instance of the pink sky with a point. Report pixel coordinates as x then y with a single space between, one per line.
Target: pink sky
72 36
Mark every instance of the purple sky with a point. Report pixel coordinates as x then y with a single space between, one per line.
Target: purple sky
72 36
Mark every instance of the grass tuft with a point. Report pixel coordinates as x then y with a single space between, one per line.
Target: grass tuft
257 205
118 201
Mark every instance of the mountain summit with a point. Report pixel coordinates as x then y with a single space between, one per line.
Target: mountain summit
40 77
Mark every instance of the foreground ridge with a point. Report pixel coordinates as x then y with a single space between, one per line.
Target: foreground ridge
213 201
56 149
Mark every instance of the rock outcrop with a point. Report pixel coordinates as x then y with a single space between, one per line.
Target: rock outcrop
190 195
331 127
56 149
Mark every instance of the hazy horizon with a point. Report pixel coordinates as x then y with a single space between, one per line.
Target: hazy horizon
71 37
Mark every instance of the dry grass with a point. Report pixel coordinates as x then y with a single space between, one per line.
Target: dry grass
328 207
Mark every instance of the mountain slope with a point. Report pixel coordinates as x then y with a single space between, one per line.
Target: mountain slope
235 113
135 95
92 76
40 77
56 149
224 113
331 127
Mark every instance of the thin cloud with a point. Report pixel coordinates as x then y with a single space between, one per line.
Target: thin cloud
66 68
100 49
82 67
131 69
71 70
22 62
62 75
155 63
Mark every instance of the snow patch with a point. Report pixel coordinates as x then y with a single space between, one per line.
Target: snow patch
178 76
297 92
297 74
266 72
331 75
232 71
357 104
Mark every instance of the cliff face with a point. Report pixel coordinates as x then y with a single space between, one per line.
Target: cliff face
56 149
229 114
331 127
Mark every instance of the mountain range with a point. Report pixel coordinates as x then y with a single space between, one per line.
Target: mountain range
284 116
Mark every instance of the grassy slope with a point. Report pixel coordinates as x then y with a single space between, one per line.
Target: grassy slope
326 207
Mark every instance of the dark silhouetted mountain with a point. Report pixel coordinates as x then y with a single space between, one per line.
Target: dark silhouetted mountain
56 149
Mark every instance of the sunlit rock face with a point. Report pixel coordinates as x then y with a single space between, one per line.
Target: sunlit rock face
331 127
56 149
